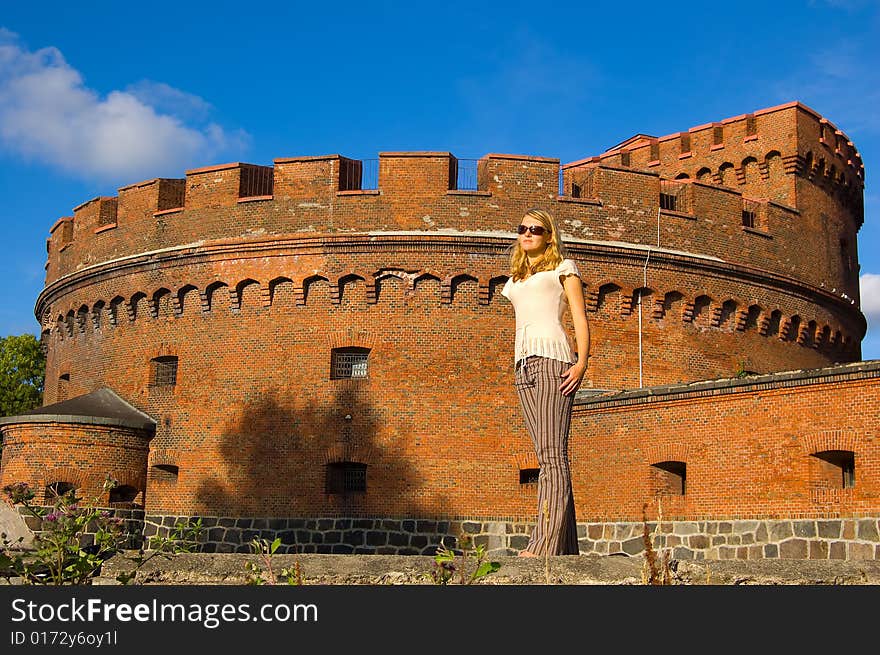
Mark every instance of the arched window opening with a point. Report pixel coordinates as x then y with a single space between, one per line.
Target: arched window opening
836 469
57 489
166 472
669 478
123 495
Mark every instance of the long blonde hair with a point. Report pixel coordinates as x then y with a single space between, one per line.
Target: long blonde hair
553 254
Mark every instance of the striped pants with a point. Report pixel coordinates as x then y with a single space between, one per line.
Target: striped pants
548 418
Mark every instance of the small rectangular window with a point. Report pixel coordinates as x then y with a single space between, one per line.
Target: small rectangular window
62 390
751 125
164 372
668 201
256 181
748 218
346 477
529 476
717 135
348 363
685 142
669 478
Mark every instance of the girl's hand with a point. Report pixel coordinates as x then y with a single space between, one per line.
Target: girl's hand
571 379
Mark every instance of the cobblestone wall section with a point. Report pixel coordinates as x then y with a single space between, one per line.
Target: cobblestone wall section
823 539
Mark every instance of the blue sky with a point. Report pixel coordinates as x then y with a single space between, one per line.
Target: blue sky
128 92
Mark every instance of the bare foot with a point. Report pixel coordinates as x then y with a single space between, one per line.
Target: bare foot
526 553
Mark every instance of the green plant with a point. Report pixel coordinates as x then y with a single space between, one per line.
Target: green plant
75 539
263 573
444 562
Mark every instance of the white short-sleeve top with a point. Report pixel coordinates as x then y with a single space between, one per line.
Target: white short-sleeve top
539 302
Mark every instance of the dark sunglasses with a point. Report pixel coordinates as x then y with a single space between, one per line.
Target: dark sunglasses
537 230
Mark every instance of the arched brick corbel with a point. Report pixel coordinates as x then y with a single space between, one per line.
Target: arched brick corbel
591 299
446 290
793 164
687 311
348 452
525 460
351 337
628 301
672 452
659 308
822 440
483 291
784 328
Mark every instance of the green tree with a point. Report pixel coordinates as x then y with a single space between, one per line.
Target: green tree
22 371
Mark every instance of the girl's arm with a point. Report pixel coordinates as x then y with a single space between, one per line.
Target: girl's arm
574 293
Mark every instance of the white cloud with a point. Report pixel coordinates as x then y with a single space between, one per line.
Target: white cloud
48 114
869 295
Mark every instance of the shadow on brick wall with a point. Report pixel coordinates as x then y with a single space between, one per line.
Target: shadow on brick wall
288 455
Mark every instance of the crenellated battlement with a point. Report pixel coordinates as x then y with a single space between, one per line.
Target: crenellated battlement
745 188
753 152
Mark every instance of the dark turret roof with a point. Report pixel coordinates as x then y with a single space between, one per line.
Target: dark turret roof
101 407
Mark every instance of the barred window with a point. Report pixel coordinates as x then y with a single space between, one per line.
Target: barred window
668 201
749 213
529 475
346 477
163 371
350 362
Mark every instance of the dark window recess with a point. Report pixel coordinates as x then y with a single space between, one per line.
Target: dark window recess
529 476
66 232
669 478
123 494
350 362
58 489
751 125
668 201
256 181
748 218
717 135
164 372
685 142
625 158
575 190
346 478
839 467
63 384
166 472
